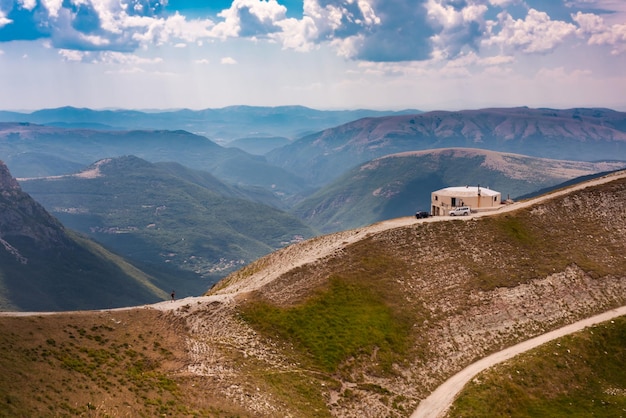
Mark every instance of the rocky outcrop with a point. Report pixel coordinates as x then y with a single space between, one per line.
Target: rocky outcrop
23 221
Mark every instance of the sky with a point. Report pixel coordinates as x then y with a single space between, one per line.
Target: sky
323 54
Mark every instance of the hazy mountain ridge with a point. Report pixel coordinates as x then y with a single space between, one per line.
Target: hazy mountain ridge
84 146
221 124
575 134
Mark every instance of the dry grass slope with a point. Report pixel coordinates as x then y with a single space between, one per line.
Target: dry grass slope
448 293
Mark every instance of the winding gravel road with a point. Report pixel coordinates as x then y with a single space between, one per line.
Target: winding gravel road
438 402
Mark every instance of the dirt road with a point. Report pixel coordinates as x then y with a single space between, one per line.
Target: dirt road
440 400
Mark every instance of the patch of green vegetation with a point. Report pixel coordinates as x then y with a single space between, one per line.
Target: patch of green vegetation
514 229
342 321
581 375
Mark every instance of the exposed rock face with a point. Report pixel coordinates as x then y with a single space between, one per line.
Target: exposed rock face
25 222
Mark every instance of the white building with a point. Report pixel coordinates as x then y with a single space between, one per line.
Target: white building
476 197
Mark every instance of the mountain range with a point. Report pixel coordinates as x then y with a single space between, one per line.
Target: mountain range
189 211
221 125
36 150
574 134
164 216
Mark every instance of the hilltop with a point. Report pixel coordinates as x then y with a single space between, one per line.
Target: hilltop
399 184
360 323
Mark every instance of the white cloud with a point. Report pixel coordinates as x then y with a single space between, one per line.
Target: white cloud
537 33
250 18
4 20
299 35
502 3
597 32
449 16
228 61
28 4
498 60
119 58
53 7
72 55
457 29
160 31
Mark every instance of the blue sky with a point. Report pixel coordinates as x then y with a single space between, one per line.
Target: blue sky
325 54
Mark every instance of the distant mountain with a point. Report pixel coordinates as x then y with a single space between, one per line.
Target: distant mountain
68 148
167 217
259 145
397 185
45 267
221 125
574 134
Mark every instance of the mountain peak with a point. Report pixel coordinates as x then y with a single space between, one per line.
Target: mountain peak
8 184
23 221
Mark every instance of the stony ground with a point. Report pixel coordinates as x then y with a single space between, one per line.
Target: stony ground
457 333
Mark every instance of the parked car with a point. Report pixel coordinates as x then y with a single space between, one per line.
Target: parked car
422 214
462 210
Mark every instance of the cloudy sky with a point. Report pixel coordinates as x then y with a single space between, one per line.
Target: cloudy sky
325 54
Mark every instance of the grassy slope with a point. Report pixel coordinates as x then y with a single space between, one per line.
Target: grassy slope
82 276
581 375
522 247
106 364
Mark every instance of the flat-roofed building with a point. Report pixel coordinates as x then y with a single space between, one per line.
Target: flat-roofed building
477 198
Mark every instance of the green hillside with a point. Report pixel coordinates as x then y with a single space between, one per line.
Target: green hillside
582 375
399 185
78 275
168 217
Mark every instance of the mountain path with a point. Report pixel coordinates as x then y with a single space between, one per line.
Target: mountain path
437 403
